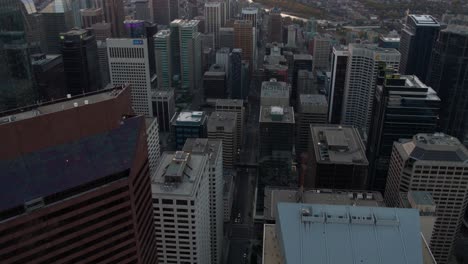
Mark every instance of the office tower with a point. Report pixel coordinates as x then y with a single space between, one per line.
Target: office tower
337 158
276 71
243 39
311 25
49 76
403 106
58 18
107 210
436 163
234 106
417 39
339 65
389 42
113 14
175 45
306 83
312 109
163 103
208 58
223 58
152 139
190 55
222 126
91 16
188 125
361 73
300 62
181 205
165 11
250 13
226 37
214 150
214 82
274 93
237 91
163 52
321 53
80 61
103 62
275 26
147 30
331 230
291 36
213 20
142 10
208 41
276 129
449 77
129 64
102 31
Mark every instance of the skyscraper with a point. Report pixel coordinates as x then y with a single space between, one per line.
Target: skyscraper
142 10
49 75
275 26
102 31
147 30
214 82
222 126
213 20
338 77
449 77
163 52
436 163
300 62
243 39
113 14
417 38
235 106
163 102
165 11
58 18
188 125
276 129
403 106
312 109
80 61
190 55
235 76
361 77
175 45
91 16
226 37
321 53
128 63
250 13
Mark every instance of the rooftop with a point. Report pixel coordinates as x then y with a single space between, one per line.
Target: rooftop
313 103
178 173
163 93
337 234
193 117
226 120
424 20
276 114
163 33
217 68
59 168
56 6
230 102
276 195
275 89
373 48
224 50
211 147
457 29
302 57
435 147
60 105
338 144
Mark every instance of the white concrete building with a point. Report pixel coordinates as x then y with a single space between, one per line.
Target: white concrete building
152 138
129 64
213 20
180 190
213 149
228 195
223 58
236 106
222 126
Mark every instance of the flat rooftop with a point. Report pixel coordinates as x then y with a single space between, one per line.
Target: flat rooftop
338 144
60 105
276 114
163 33
275 195
190 168
271 250
337 234
424 20
230 102
212 147
302 57
193 117
227 120
312 103
276 89
457 29
373 48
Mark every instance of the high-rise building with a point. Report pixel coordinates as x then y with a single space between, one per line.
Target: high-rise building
147 30
390 42
223 58
91 16
339 65
403 106
213 20
300 62
338 158
274 93
226 37
238 89
417 39
321 53
306 83
102 31
312 109
49 75
361 77
214 150
243 39
275 26
165 11
181 205
449 77
103 62
190 55
291 40
80 61
214 82
234 106
152 140
163 52
58 18
222 126
163 102
188 125
113 14
129 63
142 10
250 13
276 129
436 163
175 45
